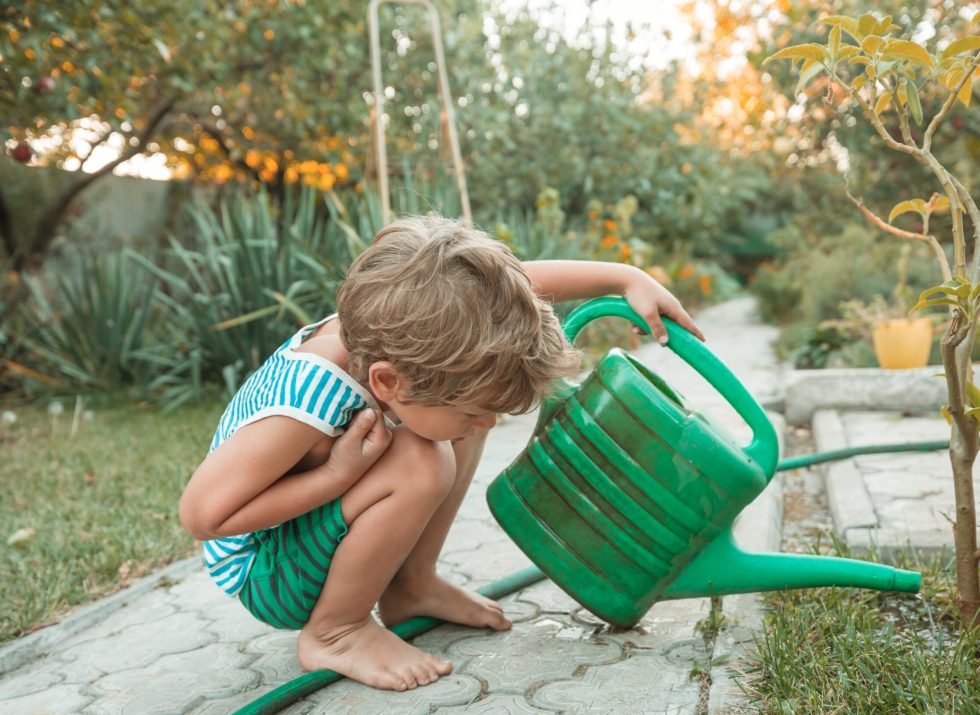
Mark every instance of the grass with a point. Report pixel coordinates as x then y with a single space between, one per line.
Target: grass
855 651
102 504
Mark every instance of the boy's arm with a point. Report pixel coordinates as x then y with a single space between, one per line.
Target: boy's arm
558 281
241 487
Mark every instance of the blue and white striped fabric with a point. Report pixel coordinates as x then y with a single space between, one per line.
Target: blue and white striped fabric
294 384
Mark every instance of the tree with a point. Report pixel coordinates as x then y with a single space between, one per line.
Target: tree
884 76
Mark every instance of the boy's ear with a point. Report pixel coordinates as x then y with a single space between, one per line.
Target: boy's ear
384 381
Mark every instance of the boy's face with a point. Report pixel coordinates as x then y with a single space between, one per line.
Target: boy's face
442 422
434 422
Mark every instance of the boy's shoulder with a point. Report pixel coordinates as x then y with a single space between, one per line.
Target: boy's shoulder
327 346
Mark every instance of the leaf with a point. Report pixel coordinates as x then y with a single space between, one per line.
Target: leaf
859 82
808 74
847 24
915 106
835 41
21 536
966 92
973 412
847 52
909 206
867 23
860 60
871 44
947 415
972 394
964 44
883 101
932 303
808 51
954 286
906 49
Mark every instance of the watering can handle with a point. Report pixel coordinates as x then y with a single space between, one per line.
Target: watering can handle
764 447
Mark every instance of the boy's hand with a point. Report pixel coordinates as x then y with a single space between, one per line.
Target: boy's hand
359 447
651 300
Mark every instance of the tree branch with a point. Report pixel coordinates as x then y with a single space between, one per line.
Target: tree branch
948 104
94 145
971 207
875 120
887 227
49 222
8 235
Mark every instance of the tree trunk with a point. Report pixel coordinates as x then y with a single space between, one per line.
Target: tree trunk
963 447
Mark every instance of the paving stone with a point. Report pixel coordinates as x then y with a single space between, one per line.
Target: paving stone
353 698
496 705
913 515
274 656
513 661
489 562
130 647
666 623
56 700
901 484
152 607
33 679
848 498
644 682
468 534
175 683
549 597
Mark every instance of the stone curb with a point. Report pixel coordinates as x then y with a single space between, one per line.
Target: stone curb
807 391
847 494
29 647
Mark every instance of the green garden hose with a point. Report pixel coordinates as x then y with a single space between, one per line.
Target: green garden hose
288 693
297 688
806 460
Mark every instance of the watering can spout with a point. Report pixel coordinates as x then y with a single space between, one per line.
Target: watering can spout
722 568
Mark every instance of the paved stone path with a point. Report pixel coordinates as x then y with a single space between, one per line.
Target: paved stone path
184 647
887 502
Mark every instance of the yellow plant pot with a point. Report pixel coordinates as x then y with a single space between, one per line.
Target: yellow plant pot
902 344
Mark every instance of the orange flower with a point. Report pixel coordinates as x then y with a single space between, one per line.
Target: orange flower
624 253
704 283
593 215
687 271
609 225
608 241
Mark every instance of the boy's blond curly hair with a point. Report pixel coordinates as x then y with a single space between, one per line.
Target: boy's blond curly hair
456 315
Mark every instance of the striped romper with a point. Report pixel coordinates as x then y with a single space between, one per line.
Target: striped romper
278 573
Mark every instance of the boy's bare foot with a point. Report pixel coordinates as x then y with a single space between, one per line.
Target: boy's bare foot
370 654
431 595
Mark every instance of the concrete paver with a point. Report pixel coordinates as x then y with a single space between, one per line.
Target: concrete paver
185 647
888 502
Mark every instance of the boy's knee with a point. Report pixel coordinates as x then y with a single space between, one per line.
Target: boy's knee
432 465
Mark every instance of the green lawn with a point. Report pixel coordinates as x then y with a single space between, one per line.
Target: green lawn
845 650
102 504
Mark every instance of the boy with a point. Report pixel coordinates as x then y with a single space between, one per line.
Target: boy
314 509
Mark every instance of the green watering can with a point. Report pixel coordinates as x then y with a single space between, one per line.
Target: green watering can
624 496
